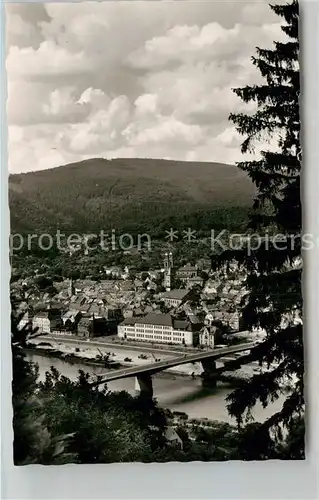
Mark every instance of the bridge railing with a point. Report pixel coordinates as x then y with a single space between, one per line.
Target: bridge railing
170 363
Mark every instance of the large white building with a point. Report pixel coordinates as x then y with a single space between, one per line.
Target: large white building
157 328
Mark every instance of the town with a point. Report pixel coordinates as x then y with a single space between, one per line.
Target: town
155 247
191 305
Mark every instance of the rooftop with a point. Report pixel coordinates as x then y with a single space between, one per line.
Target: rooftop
42 314
70 314
195 278
175 294
181 324
79 307
194 319
156 319
187 267
150 319
129 321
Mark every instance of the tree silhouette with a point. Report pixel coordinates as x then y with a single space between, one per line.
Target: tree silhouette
33 443
274 269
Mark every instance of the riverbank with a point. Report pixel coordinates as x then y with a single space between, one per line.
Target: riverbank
129 354
124 356
72 358
178 393
120 356
79 358
112 343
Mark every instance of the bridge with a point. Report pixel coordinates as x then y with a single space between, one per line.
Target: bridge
143 374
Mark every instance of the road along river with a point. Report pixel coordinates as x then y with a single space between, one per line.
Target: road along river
176 392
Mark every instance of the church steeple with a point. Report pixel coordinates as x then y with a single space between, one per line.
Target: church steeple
168 265
71 288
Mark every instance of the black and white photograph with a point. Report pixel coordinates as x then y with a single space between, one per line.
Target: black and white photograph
156 244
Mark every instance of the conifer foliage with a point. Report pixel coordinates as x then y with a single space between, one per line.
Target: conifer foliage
274 268
33 442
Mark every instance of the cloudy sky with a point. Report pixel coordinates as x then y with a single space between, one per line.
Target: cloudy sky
129 79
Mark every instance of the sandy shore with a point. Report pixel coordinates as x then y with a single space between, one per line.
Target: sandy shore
123 355
129 356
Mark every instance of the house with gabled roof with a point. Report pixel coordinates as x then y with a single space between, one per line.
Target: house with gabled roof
186 272
174 298
47 320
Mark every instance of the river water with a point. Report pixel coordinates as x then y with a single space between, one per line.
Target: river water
178 393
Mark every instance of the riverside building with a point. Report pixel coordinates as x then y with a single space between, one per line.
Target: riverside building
157 328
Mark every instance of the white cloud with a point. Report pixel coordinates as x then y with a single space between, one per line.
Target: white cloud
102 130
167 130
130 79
95 97
30 103
146 103
19 32
48 60
35 148
211 42
62 103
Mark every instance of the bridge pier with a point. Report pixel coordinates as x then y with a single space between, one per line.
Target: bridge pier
209 378
144 384
143 374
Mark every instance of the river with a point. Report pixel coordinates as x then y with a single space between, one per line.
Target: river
178 393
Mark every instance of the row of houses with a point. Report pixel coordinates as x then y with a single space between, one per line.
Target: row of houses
152 327
91 308
51 320
87 316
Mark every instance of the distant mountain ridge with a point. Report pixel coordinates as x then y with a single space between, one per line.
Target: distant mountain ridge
124 193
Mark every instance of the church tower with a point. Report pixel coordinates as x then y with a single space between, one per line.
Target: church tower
168 265
71 288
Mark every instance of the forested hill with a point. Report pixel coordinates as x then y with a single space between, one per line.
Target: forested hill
130 194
